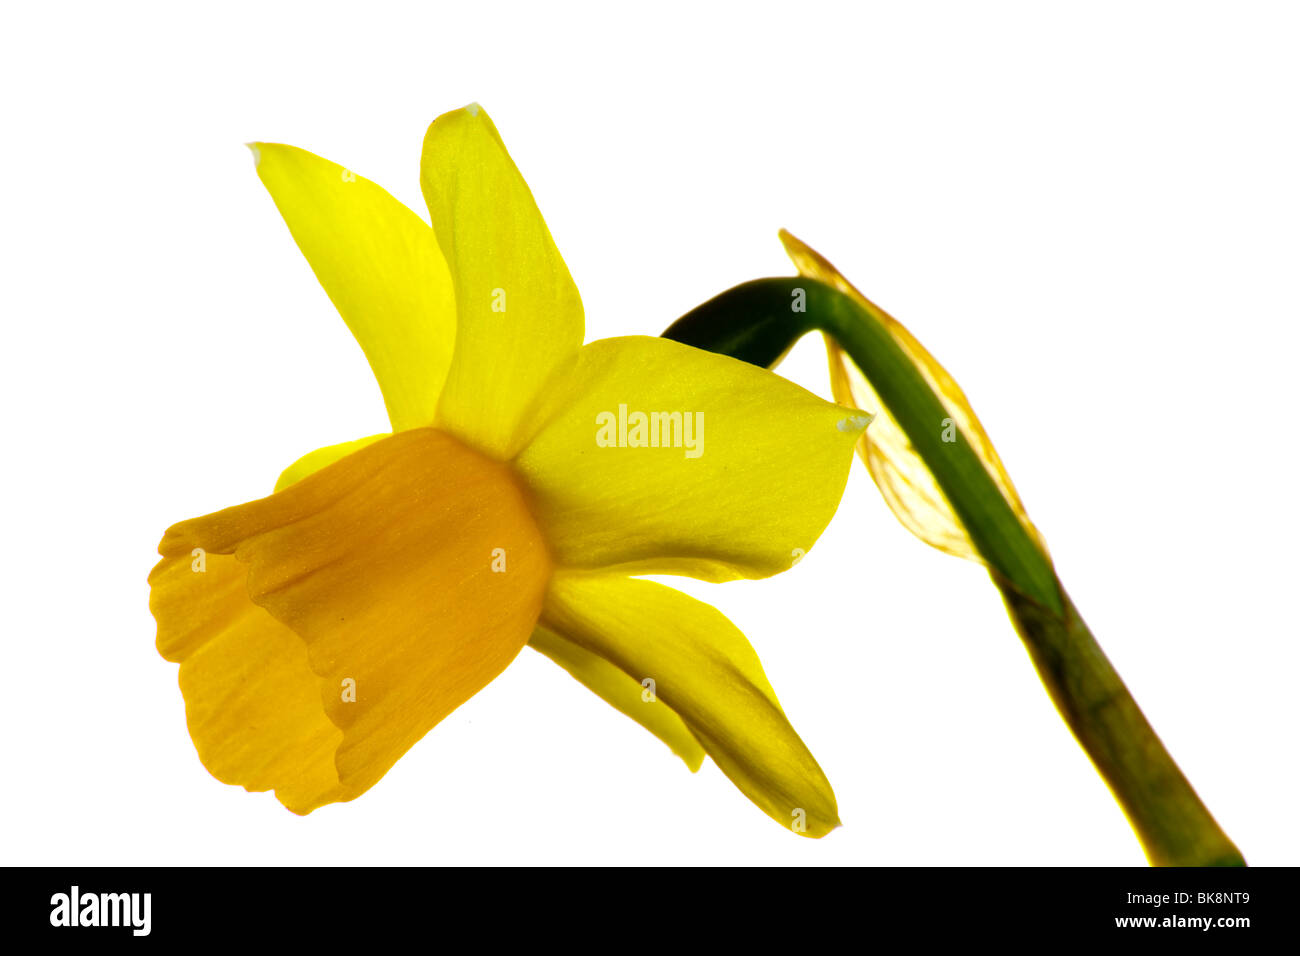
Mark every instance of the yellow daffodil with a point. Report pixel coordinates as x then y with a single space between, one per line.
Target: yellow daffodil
323 630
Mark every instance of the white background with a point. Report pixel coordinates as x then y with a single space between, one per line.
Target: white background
1087 211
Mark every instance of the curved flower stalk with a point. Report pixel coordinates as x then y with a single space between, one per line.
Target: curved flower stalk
911 489
942 478
904 479
323 630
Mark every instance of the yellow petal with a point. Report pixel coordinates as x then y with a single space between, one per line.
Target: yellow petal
314 461
252 704
743 493
382 268
706 670
622 692
519 316
902 477
412 571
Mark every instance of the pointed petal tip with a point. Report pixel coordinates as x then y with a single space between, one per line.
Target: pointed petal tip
811 829
789 239
856 423
823 831
256 150
472 111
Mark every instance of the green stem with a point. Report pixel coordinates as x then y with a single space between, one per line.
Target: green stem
755 322
1172 824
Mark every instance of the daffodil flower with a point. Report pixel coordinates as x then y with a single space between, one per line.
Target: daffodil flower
323 630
